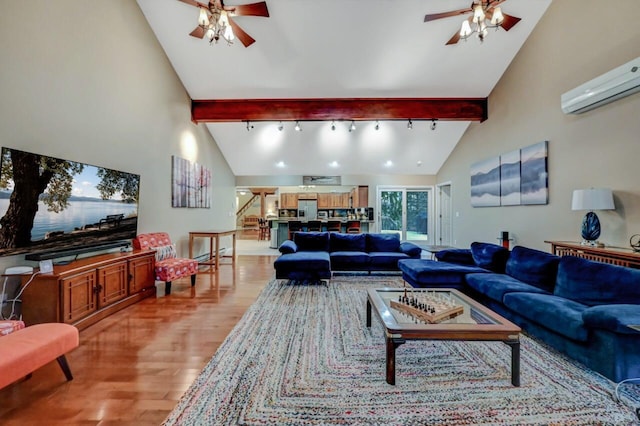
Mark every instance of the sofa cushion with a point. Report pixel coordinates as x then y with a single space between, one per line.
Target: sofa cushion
558 314
489 256
288 246
410 249
425 272
312 241
533 267
385 260
459 256
495 286
383 242
347 242
349 261
596 283
616 318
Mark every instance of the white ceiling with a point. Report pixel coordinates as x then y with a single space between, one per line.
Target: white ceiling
340 49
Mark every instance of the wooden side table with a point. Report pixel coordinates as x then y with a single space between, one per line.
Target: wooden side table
613 255
214 245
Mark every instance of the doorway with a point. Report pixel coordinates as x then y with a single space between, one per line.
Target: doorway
444 217
406 211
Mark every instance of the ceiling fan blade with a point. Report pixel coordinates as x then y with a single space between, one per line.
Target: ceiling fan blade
253 9
454 39
197 32
194 3
434 16
509 22
240 34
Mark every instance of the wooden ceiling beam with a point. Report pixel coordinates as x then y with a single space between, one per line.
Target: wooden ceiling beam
365 109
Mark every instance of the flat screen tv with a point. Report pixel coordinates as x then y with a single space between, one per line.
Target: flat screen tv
50 207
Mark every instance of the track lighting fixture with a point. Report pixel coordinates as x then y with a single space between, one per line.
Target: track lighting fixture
298 128
377 125
433 124
333 125
410 124
352 127
280 126
249 126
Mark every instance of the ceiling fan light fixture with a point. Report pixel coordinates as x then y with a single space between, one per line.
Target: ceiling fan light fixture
497 18
465 30
478 14
203 18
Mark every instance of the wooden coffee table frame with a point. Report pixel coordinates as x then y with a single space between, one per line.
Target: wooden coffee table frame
396 334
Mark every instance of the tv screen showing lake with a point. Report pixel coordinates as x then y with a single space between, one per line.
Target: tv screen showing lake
77 215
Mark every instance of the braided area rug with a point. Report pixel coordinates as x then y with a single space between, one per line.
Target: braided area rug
302 354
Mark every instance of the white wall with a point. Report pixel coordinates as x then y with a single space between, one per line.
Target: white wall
575 41
88 81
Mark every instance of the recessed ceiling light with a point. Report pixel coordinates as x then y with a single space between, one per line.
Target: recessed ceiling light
419 163
334 164
280 164
389 163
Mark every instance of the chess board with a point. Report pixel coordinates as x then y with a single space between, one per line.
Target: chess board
429 307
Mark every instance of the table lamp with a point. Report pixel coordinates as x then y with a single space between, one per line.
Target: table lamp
591 199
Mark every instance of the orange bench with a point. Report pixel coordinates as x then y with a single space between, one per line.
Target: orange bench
24 351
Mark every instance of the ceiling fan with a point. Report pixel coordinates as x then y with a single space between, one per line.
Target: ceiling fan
485 14
215 20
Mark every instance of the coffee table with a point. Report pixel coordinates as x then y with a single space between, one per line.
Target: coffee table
476 323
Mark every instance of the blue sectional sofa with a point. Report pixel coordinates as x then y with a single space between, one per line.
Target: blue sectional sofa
313 256
580 307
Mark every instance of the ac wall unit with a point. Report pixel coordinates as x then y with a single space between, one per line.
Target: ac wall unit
615 84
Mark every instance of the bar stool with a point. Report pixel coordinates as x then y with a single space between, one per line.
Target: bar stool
294 226
264 232
314 225
353 227
334 226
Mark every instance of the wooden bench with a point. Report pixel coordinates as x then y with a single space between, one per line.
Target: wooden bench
111 219
24 351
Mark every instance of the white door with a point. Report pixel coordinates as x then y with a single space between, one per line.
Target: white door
444 217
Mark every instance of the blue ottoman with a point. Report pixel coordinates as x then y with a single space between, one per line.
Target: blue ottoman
303 266
431 273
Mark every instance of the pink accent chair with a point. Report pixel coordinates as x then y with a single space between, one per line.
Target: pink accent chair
168 265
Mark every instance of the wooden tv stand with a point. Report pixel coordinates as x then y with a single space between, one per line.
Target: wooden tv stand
90 289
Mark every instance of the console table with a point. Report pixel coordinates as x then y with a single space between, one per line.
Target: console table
614 255
214 235
86 290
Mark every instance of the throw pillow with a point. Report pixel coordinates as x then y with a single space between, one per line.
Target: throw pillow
288 247
165 252
490 256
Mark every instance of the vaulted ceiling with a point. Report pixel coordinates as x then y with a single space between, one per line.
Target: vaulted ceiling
340 60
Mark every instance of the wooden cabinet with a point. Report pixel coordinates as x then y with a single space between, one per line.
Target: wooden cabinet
87 290
307 195
614 255
289 200
323 200
360 197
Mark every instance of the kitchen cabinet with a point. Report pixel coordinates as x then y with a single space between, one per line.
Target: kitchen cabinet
289 200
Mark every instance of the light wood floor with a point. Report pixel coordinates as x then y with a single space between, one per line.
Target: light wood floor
132 367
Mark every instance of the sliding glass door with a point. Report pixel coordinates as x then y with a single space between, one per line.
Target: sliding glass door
406 211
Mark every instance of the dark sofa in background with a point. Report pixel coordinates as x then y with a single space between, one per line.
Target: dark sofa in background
580 307
313 256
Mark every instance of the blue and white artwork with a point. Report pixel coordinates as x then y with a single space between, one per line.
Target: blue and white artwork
485 183
510 178
534 182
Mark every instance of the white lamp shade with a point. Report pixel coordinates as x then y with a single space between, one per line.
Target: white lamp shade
592 199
